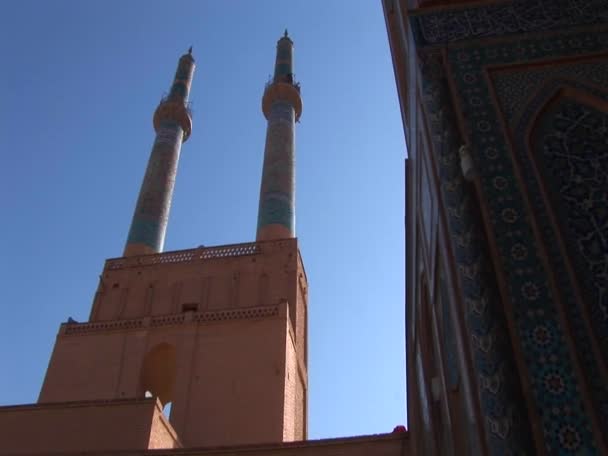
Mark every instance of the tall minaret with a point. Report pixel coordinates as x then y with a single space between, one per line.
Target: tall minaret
173 125
225 346
282 106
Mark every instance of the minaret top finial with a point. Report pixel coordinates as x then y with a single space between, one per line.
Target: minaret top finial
188 55
286 37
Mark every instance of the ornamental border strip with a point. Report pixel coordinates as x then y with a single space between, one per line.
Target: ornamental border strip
451 25
501 399
247 313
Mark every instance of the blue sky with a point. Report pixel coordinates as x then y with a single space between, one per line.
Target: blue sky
79 83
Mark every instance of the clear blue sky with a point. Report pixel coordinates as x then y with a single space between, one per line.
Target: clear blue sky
79 83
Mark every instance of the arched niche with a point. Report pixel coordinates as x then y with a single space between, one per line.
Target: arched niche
158 372
561 141
568 140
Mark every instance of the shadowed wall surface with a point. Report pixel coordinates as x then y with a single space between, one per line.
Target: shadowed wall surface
505 103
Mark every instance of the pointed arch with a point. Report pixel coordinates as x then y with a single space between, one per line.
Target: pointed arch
561 140
158 372
567 140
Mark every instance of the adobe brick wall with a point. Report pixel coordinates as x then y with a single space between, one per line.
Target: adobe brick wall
162 434
372 445
66 427
290 433
229 357
295 390
229 380
235 390
85 368
149 286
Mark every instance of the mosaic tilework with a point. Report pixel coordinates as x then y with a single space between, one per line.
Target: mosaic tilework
154 203
506 18
522 94
452 368
514 88
277 193
566 425
178 89
596 382
183 79
449 343
284 60
502 405
574 141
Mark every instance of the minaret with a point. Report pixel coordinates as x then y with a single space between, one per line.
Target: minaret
282 107
173 125
220 333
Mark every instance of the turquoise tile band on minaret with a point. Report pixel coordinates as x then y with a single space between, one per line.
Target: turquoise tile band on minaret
173 125
282 106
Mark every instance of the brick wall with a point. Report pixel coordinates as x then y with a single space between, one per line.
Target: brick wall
74 426
373 445
226 373
162 434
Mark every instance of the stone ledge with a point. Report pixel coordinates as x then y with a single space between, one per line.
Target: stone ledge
101 427
246 313
67 404
281 446
393 444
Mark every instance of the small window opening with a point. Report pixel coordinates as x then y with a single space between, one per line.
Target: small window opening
158 373
190 307
115 285
167 410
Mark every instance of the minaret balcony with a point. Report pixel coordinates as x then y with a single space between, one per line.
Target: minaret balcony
168 99
177 110
282 91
